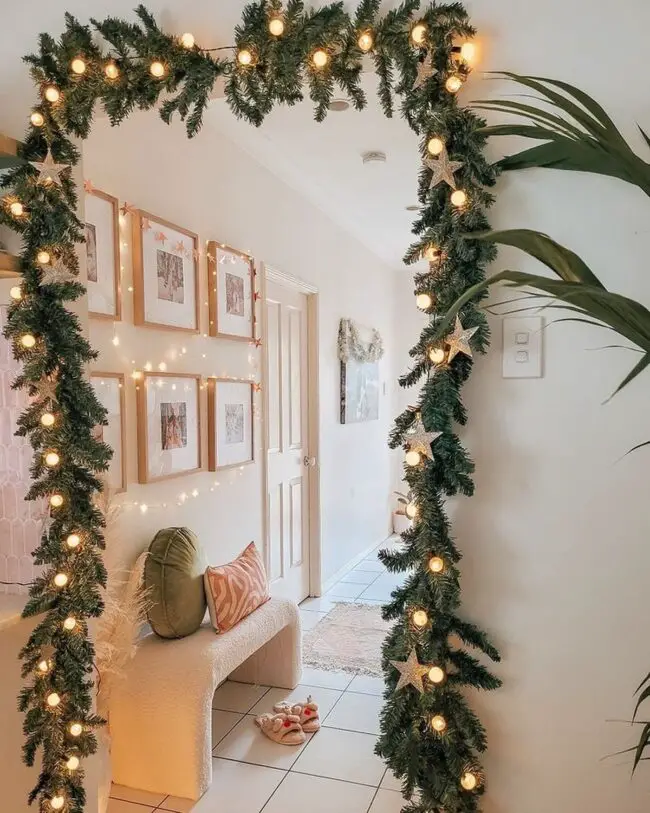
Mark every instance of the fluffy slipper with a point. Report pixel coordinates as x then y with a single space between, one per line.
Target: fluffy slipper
281 728
307 713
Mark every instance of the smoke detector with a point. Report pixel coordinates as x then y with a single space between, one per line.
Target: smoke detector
339 105
373 157
414 207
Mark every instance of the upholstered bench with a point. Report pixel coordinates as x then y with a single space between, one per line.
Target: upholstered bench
161 715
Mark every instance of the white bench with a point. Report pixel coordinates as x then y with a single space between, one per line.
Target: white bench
161 715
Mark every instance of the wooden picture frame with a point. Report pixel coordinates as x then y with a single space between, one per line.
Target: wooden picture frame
144 386
144 301
107 244
221 313
122 465
215 461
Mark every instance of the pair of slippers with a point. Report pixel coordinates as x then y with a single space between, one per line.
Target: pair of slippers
289 724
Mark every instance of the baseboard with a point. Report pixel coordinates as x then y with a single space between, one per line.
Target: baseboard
351 565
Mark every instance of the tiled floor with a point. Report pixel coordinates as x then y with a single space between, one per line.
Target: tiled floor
335 770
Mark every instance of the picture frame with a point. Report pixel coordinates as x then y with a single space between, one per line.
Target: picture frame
102 232
231 293
359 391
231 435
169 425
110 391
165 274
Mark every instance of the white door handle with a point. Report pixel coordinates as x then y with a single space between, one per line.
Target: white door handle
310 462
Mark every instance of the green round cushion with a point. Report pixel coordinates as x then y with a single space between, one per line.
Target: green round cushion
173 574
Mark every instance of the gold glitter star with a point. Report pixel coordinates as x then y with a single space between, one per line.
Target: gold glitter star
411 672
442 169
419 440
425 72
46 388
57 274
458 341
48 170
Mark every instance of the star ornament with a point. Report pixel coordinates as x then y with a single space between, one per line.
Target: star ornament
57 274
458 341
419 440
411 672
46 388
425 72
48 170
442 169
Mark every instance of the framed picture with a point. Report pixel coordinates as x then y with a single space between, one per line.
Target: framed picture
230 423
165 274
169 425
109 389
359 391
231 288
102 232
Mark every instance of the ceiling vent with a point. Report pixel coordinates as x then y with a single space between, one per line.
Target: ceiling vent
373 157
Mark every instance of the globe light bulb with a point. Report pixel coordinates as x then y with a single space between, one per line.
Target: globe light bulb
52 459
52 94
411 510
157 69
320 58
60 580
37 119
76 729
43 257
419 34
438 723
276 26
366 41
112 71
27 340
459 198
435 146
57 802
436 674
56 500
53 700
17 209
43 666
78 66
454 83
469 780
244 57
431 253
420 618
437 355
436 564
15 293
70 623
188 41
47 419
73 541
468 51
413 458
423 301
73 763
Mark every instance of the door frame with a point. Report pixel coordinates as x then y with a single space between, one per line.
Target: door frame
268 273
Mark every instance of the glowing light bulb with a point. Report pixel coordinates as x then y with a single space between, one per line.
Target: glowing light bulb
60 580
115 341
188 41
78 66
366 41
468 780
37 119
76 729
111 70
70 623
73 541
411 510
52 94
157 69
43 667
454 83
413 458
27 340
423 301
244 57
136 375
162 366
53 700
436 564
431 253
437 355
73 763
52 459
47 419
438 723
144 508
419 33
468 51
420 618
435 146
43 257
320 58
17 209
436 674
57 802
276 26
56 500
459 198
15 293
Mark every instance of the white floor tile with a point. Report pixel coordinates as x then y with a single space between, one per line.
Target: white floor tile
326 698
367 685
222 723
359 577
362 600
140 797
118 806
356 712
345 590
177 805
391 579
325 679
240 697
378 592
309 619
246 743
373 565
391 782
387 801
344 755
238 788
321 604
300 793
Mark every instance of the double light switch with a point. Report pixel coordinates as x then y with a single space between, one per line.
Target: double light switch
522 346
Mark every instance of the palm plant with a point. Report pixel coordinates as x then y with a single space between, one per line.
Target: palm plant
578 135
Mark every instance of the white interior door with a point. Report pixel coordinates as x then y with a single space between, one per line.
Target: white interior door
288 469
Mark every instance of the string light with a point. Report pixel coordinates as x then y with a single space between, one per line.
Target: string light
57 802
435 146
188 41
420 618
37 119
437 355
15 293
76 729
423 301
115 341
136 375
244 57
70 623
144 508
431 253
419 34
469 780
73 541
111 70
454 83
44 667
413 458
17 209
78 66
27 340
157 69
60 580
459 198
43 257
53 700
276 26
320 58
52 459
56 500
436 564
411 510
436 674
52 94
73 763
162 366
438 723
47 419
366 41
468 51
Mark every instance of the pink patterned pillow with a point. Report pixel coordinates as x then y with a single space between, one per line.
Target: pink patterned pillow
236 589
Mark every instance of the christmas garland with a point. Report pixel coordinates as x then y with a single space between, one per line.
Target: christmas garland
430 737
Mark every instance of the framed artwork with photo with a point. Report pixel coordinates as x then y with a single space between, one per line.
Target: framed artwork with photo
359 391
165 274
169 425
109 389
102 233
231 289
230 423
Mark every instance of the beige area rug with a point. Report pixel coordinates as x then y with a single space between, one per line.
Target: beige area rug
348 639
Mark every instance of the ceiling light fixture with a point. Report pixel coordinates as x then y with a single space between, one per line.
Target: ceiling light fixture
339 105
373 157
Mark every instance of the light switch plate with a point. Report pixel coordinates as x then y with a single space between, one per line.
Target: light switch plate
522 346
